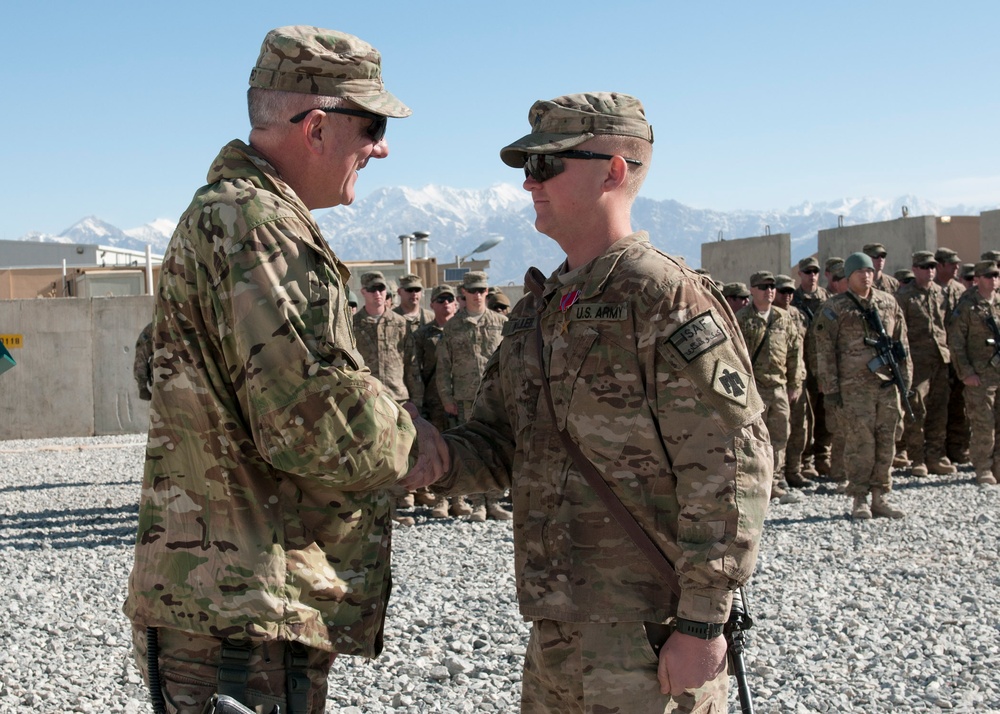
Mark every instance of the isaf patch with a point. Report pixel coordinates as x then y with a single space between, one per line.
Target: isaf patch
731 383
697 336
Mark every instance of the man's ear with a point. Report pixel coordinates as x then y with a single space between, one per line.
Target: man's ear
312 131
617 174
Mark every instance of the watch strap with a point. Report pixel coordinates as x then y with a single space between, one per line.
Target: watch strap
701 630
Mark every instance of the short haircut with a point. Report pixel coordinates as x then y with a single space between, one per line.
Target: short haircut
269 108
629 147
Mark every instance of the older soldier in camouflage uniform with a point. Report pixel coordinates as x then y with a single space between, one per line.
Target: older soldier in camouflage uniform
800 418
411 288
263 537
650 377
469 341
737 296
425 342
142 368
808 297
856 392
923 308
975 349
882 281
957 439
776 358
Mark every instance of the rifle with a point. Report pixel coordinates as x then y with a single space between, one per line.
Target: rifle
736 639
888 353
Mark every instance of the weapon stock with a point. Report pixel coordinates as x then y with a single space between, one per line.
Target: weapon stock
736 639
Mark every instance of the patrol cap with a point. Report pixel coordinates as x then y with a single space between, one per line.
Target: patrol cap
564 122
904 275
738 290
368 280
874 250
837 272
352 299
967 271
807 263
784 283
831 263
986 268
947 255
443 289
857 261
410 281
311 60
760 278
993 255
475 279
497 299
924 259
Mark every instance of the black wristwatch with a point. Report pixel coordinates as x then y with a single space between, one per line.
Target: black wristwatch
701 630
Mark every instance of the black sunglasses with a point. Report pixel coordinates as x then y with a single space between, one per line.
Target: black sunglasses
444 298
376 130
476 291
412 290
811 271
542 167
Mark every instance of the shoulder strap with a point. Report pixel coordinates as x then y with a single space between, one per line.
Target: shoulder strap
621 514
767 331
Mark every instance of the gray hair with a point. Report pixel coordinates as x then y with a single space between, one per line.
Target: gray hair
270 108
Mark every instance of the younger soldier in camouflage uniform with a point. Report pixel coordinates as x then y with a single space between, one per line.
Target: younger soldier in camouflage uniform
957 439
263 542
855 392
411 288
142 364
800 419
776 358
975 353
737 296
883 281
808 297
469 341
650 377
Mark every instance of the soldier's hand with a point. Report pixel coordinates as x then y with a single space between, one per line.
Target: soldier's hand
972 381
834 399
451 409
688 662
434 459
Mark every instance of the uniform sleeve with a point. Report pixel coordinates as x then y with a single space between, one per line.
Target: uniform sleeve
795 365
411 369
906 366
958 340
825 329
445 378
312 408
708 414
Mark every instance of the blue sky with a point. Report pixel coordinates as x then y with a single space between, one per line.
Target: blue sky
116 109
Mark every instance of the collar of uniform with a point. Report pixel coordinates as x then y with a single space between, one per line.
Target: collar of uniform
594 275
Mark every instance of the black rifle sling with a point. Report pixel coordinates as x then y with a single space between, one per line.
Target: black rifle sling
767 332
621 514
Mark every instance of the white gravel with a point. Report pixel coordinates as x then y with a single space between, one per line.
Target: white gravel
877 616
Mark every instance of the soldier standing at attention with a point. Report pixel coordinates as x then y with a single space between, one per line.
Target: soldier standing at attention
263 542
977 364
737 296
411 288
649 376
923 308
855 392
957 439
882 281
800 418
808 297
469 340
776 359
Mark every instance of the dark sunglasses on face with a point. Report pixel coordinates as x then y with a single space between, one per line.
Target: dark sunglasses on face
879 255
412 290
542 167
376 289
475 291
376 130
811 271
444 298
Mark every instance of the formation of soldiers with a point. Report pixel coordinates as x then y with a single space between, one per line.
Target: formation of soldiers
875 371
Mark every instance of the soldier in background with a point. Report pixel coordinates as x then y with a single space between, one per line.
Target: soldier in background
838 432
142 365
857 393
469 340
882 281
904 276
425 342
800 419
967 276
737 296
923 308
957 440
808 298
411 289
974 350
498 302
776 359
830 267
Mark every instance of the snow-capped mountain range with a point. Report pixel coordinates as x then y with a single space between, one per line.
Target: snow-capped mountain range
458 220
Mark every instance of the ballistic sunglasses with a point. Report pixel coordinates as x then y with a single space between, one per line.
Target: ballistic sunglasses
542 167
376 130
444 298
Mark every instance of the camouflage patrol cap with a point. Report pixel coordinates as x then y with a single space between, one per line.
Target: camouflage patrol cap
967 271
946 255
857 261
738 290
923 259
904 275
475 279
374 278
497 299
986 268
564 122
837 272
874 250
761 278
352 299
443 289
832 263
784 282
993 255
311 60
410 281
810 262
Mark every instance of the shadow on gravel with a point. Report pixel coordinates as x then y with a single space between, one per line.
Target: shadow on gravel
74 484
920 483
770 522
78 528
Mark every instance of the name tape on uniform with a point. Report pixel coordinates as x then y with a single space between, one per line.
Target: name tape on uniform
12 341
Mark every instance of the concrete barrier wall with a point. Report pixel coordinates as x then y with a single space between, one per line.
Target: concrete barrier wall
901 237
989 231
74 368
731 261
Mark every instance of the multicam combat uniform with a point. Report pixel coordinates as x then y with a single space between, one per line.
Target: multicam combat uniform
886 283
462 354
386 343
817 449
957 439
141 365
264 512
778 369
417 320
800 418
968 333
651 378
924 314
870 408
425 343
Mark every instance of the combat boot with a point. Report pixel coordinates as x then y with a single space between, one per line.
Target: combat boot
497 512
423 497
918 470
860 511
798 480
986 478
809 471
941 467
440 509
478 514
460 507
405 501
823 466
881 506
899 461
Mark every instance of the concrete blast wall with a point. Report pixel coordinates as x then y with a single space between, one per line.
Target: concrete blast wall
901 237
989 231
731 261
74 368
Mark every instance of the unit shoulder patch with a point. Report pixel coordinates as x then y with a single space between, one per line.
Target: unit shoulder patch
731 383
697 336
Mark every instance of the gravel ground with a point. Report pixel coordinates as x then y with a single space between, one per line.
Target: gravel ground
877 616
